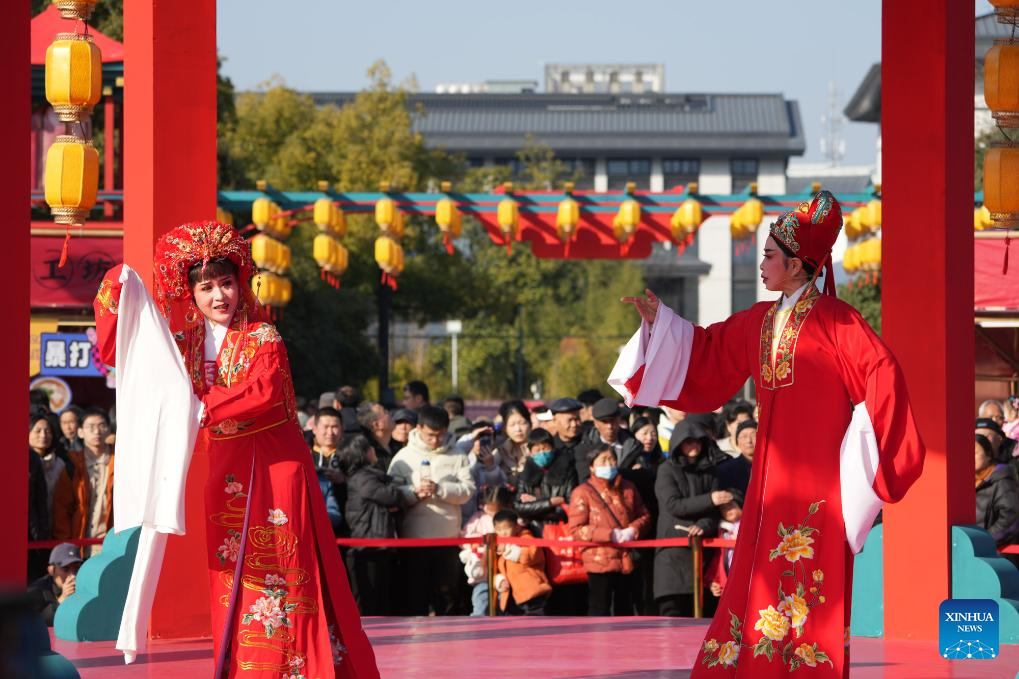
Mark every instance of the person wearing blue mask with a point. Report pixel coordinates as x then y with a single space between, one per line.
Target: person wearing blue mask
607 509
546 482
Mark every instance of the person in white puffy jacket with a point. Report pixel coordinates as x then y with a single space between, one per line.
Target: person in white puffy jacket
435 483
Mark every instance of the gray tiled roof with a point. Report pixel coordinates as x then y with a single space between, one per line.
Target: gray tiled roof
605 124
865 104
838 184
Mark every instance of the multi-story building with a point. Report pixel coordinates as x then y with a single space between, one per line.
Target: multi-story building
622 130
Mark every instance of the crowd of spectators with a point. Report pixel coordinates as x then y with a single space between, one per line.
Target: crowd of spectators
584 468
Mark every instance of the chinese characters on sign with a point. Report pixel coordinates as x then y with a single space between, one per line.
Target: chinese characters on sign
67 354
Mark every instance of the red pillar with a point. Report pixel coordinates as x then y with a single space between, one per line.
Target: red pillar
927 311
15 189
170 178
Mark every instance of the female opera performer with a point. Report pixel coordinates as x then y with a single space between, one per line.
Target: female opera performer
293 615
836 440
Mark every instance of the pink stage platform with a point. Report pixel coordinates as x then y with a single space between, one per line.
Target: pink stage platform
529 648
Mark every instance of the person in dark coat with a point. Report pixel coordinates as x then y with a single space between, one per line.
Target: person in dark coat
39 521
566 422
546 482
606 430
734 473
639 466
997 491
544 488
49 591
373 498
688 499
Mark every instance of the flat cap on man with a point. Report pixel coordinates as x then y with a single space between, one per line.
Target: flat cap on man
565 405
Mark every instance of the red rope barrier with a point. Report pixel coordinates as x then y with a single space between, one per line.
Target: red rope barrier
50 544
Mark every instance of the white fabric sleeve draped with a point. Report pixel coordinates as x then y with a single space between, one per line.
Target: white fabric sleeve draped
157 418
652 366
858 465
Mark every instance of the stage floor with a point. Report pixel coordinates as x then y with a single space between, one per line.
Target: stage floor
529 648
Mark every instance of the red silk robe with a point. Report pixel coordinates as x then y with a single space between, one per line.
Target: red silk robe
786 605
293 615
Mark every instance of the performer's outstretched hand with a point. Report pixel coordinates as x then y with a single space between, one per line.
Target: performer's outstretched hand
647 306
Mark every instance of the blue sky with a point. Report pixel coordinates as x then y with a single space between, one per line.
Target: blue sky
790 46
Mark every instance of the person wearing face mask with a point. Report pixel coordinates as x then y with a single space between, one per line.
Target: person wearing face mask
607 509
546 482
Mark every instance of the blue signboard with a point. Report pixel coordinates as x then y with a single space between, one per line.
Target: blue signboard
66 354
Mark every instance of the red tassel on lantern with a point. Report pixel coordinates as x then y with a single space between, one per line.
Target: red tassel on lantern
65 248
448 242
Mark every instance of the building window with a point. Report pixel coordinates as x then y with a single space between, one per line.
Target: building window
580 171
680 171
623 170
513 163
743 171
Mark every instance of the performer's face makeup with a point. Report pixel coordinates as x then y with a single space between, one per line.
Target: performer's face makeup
777 274
217 298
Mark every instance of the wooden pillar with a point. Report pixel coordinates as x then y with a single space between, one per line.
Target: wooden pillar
927 306
170 178
15 188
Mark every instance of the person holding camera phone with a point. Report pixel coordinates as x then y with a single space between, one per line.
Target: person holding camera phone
485 469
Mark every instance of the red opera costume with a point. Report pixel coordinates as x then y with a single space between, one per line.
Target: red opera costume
821 468
293 615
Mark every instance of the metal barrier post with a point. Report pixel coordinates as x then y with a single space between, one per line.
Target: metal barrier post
490 564
698 575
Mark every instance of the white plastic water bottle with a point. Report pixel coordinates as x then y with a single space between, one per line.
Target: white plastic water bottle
426 470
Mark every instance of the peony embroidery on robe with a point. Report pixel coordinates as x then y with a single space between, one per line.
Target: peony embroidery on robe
792 612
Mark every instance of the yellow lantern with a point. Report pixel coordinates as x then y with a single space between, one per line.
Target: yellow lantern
286 292
508 216
753 213
982 218
1001 183
261 212
1001 82
567 218
738 224
76 9
389 218
322 213
870 215
72 179
627 220
856 218
74 76
448 217
270 254
851 260
330 254
870 254
264 285
687 218
224 217
389 255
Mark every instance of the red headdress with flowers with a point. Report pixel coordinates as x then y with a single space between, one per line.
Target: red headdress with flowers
809 233
176 252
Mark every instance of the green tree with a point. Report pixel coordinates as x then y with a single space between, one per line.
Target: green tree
866 299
